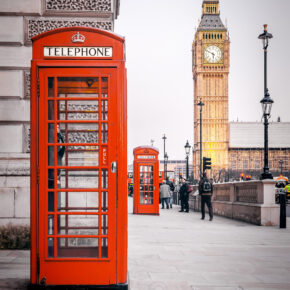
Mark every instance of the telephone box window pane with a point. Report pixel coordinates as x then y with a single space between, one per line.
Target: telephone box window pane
50 156
50 110
79 179
50 201
50 178
104 201
105 133
78 248
78 201
104 224
105 178
104 87
105 110
50 245
89 156
104 248
81 87
78 110
78 225
51 224
50 133
51 87
79 133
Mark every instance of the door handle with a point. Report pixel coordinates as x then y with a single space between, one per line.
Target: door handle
114 167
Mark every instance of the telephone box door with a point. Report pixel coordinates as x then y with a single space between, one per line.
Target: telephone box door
147 188
77 180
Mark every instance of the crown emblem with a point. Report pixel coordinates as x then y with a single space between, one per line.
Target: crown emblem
78 38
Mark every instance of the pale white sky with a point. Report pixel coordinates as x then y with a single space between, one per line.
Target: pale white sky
159 35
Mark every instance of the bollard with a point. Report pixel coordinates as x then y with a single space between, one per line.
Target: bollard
282 199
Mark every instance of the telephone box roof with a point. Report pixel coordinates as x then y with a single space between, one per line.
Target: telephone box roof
79 28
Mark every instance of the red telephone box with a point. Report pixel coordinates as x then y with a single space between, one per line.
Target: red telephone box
146 181
78 159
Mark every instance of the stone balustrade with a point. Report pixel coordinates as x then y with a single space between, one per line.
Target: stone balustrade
251 201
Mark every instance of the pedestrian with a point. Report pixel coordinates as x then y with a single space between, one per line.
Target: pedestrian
184 196
164 194
205 188
171 185
131 190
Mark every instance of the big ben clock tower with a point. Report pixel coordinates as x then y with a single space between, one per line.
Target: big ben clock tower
210 60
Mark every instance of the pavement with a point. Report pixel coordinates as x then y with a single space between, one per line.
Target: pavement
288 210
178 251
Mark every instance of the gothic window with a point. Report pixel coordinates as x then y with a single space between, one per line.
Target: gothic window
245 164
233 164
257 164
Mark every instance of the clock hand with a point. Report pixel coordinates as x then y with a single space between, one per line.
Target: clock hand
210 52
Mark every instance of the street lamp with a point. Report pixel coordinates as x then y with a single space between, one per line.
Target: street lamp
165 165
200 104
266 103
164 139
281 166
187 151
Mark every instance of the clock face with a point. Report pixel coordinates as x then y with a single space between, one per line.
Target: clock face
212 54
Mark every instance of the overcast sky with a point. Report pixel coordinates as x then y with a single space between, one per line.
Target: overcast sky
159 35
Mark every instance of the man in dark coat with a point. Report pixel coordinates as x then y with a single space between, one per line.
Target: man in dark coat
184 195
171 185
205 188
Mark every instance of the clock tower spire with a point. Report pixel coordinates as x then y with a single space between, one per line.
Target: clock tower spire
210 67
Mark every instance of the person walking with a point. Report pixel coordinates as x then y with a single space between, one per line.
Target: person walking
171 186
205 188
164 194
184 196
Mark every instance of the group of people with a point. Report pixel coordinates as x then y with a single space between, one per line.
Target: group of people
205 188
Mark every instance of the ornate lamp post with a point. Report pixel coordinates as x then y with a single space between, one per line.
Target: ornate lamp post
187 151
266 104
200 104
164 152
165 165
281 166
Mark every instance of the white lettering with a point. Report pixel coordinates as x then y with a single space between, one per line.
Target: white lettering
65 51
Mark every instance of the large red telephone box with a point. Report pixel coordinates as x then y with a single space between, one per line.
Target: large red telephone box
78 159
146 180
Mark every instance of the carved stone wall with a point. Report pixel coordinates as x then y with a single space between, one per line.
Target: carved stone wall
37 25
27 91
78 5
26 138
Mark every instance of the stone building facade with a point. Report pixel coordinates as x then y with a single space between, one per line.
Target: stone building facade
246 155
234 147
20 20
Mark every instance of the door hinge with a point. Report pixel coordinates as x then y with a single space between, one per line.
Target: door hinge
38 88
37 175
37 267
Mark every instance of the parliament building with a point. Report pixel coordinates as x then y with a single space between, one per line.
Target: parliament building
235 148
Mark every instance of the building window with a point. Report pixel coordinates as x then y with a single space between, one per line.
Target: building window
257 164
233 164
245 164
